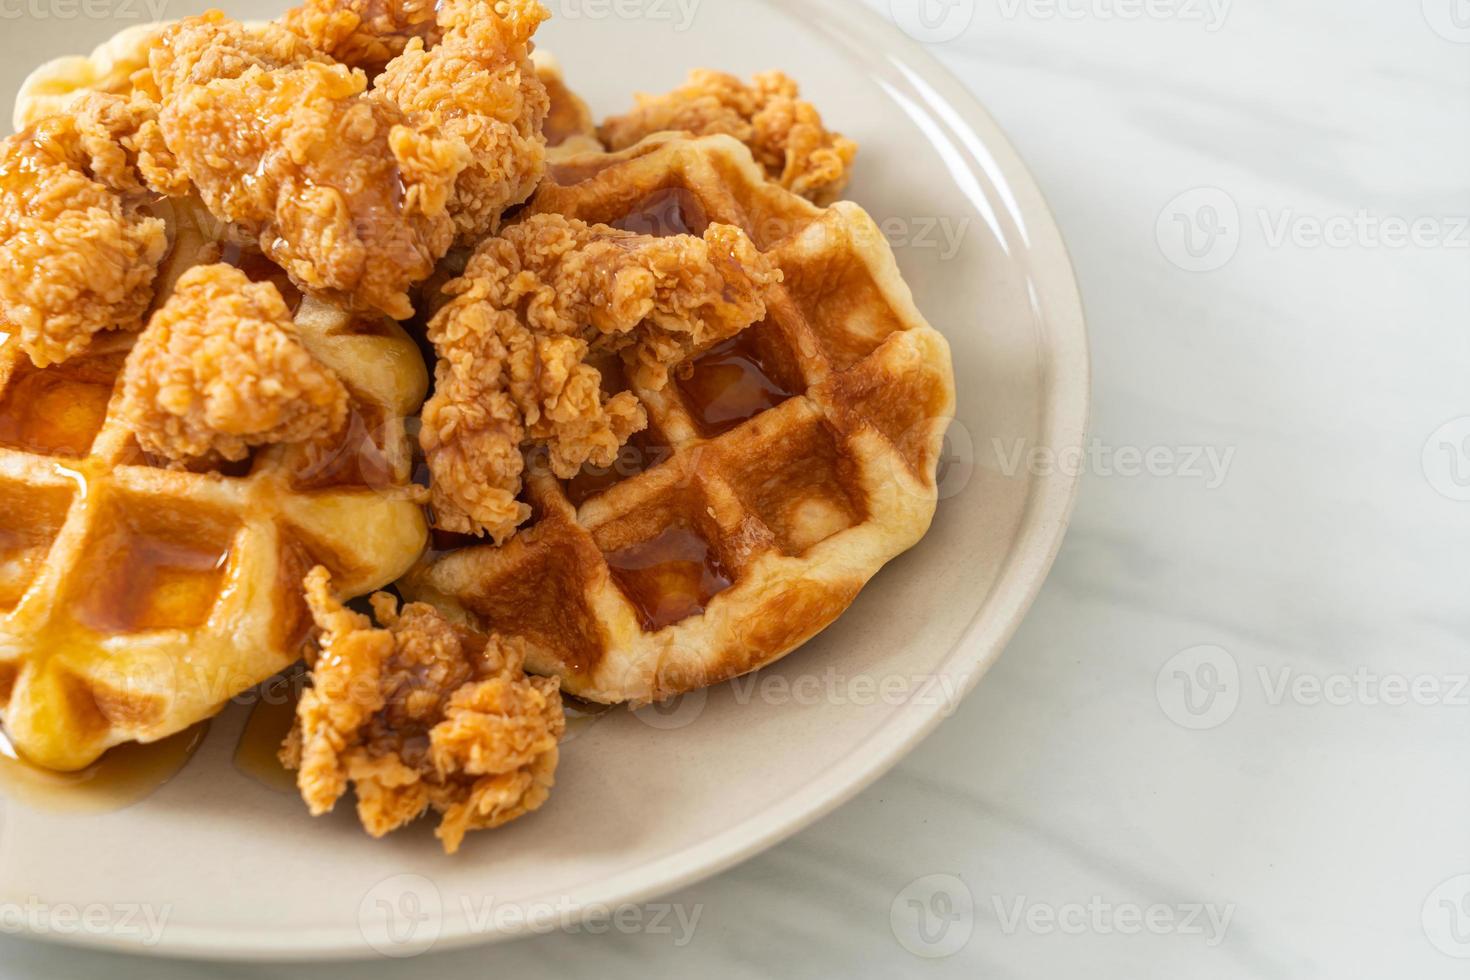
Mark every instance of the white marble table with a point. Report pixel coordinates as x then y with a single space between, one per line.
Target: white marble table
1230 739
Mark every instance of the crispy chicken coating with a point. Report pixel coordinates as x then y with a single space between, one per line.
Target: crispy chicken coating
421 714
220 369
513 341
364 34
784 133
79 249
343 192
478 86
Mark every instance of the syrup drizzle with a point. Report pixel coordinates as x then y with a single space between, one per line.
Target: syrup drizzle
257 754
53 414
670 577
730 384
145 581
664 213
123 776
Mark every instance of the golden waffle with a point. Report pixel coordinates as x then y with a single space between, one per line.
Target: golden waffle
136 599
569 125
780 471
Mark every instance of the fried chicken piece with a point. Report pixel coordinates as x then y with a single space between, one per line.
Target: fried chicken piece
364 34
79 249
421 714
220 369
514 338
784 133
479 87
343 192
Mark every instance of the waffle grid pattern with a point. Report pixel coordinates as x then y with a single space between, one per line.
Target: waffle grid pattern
134 598
780 471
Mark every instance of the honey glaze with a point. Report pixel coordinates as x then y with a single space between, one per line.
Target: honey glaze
670 577
664 213
54 412
146 578
123 776
257 754
731 383
642 452
581 715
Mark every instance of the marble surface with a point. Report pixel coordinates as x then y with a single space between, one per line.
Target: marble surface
1229 740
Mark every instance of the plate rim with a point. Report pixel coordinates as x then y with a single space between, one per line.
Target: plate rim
1066 415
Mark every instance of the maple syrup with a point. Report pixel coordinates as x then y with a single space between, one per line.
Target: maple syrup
670 577
642 452
123 776
29 523
665 213
355 460
151 578
55 412
257 754
731 383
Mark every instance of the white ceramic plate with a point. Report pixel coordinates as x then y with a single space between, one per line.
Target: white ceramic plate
645 804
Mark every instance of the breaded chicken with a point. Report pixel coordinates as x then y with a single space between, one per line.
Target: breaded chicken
513 341
364 34
220 369
79 249
478 86
421 714
343 192
784 133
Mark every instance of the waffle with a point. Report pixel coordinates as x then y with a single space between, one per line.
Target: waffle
135 599
569 126
780 471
